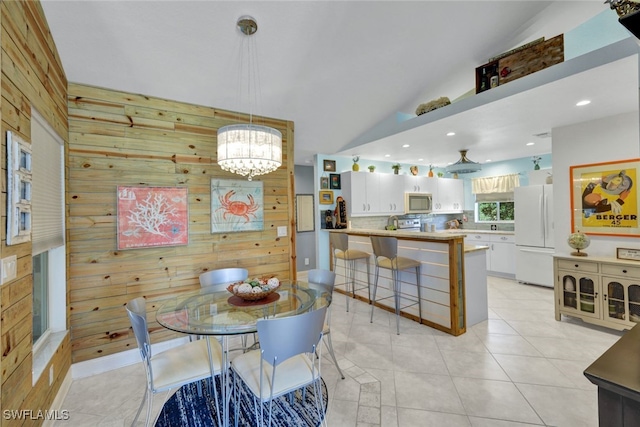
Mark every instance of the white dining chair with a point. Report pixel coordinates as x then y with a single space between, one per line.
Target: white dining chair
325 279
171 368
218 280
285 362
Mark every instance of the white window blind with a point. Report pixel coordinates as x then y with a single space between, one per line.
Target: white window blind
495 197
47 204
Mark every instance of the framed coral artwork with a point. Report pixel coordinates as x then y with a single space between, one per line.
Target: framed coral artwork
152 217
236 205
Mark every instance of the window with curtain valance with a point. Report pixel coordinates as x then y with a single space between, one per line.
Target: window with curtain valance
495 184
494 197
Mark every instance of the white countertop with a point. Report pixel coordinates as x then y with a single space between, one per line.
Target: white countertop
472 231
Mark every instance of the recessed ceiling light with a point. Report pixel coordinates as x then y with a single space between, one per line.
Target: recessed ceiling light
406 146
420 160
387 155
450 163
583 103
488 160
451 133
531 143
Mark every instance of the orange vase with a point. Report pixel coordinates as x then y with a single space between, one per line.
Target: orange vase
430 174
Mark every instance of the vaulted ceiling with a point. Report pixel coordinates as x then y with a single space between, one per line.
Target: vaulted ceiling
335 68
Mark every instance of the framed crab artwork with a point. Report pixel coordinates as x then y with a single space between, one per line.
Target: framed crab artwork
236 205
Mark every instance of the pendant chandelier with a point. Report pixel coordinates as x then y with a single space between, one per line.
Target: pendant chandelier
248 149
463 165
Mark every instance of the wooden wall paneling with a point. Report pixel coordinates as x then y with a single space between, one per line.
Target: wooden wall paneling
31 76
119 138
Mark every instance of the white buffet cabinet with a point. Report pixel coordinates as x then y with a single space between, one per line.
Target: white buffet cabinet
603 291
369 194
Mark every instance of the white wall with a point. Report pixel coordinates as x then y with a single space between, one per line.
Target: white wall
602 140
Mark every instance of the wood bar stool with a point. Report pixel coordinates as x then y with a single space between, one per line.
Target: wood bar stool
385 251
340 244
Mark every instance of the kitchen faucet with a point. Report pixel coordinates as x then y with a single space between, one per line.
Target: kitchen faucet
395 221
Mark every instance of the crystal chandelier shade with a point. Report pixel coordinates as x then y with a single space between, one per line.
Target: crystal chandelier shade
249 149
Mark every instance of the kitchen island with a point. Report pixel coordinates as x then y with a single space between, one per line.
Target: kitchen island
453 277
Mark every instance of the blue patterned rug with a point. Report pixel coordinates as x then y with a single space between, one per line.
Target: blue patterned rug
189 408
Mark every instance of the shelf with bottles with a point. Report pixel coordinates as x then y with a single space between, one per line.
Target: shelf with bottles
487 76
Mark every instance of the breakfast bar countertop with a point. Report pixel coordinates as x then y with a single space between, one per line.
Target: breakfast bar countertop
412 235
407 235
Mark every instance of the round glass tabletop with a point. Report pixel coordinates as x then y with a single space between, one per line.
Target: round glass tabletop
207 312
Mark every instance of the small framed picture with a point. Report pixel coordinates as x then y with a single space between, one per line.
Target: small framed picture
626 253
326 197
329 165
334 181
324 183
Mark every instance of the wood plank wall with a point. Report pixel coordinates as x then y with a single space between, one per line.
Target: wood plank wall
118 138
31 77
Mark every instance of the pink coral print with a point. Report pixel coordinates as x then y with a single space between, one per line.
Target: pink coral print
152 216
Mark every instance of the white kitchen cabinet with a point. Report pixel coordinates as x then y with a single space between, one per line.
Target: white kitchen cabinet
420 184
602 291
391 193
501 254
369 193
449 196
359 189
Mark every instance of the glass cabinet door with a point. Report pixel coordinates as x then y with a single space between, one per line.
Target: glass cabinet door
615 300
634 302
580 293
569 292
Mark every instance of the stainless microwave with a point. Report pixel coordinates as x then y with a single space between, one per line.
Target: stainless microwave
417 203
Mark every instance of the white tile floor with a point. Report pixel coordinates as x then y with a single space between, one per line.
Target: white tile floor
521 367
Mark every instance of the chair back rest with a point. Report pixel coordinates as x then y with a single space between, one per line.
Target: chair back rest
284 337
325 278
322 282
384 247
137 312
222 277
339 241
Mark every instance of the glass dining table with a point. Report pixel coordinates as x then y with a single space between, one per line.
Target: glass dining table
215 312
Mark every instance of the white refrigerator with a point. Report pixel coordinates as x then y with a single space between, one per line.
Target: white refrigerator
534 234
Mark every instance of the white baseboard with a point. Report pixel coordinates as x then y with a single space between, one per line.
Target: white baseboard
118 360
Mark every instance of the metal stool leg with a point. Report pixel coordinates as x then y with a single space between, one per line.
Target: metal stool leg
396 297
375 288
419 298
368 281
347 278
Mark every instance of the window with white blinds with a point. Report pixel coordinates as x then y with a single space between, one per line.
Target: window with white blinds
47 203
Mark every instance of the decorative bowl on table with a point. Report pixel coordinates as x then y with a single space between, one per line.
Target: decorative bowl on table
254 289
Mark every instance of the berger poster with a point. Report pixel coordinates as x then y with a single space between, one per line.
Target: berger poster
605 198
